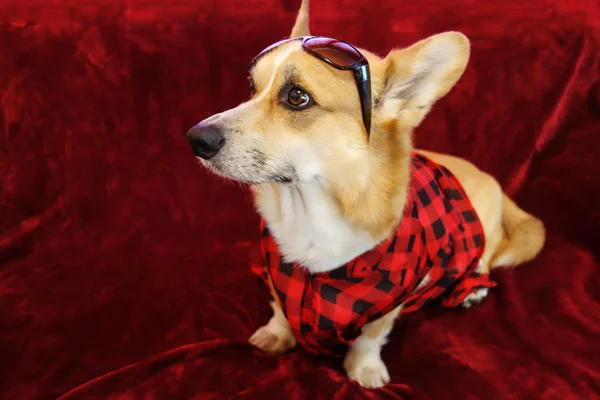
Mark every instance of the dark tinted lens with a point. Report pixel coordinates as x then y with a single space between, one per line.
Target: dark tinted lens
339 53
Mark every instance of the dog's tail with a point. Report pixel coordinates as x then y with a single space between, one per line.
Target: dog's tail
524 236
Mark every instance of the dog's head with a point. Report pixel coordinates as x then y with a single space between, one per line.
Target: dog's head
303 120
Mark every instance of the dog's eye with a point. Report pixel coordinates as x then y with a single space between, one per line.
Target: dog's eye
298 98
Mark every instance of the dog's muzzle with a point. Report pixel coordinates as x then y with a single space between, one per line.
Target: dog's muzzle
206 140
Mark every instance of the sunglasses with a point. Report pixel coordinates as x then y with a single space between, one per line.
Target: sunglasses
342 56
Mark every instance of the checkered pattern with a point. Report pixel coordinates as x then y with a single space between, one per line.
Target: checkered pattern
440 235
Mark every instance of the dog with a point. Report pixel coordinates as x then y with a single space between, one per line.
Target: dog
335 191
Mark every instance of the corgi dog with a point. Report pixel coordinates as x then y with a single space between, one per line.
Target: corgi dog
358 226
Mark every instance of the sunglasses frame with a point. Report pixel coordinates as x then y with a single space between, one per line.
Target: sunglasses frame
360 71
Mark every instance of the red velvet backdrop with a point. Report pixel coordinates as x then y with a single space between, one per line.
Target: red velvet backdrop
123 266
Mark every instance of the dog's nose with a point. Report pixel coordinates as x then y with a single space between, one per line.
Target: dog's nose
206 140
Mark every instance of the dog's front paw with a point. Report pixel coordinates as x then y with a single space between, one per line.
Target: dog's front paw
369 372
475 298
272 341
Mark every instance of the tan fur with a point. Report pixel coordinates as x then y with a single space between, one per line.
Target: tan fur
365 178
374 201
524 236
301 26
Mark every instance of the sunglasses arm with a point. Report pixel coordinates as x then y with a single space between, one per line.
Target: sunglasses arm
363 81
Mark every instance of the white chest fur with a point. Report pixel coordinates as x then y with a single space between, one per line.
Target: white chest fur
308 227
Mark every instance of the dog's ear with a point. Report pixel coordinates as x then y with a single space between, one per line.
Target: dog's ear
416 77
301 26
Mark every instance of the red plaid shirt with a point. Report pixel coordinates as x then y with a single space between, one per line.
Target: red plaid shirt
439 234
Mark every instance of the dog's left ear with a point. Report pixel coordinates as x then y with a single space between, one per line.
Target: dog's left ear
416 77
301 26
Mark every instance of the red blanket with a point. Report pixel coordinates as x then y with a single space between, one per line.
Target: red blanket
124 266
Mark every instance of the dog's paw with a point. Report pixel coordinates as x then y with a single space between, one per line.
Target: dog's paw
271 341
475 298
370 373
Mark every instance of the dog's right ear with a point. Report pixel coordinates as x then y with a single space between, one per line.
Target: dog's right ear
301 26
416 77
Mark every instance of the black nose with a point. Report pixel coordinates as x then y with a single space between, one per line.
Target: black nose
206 140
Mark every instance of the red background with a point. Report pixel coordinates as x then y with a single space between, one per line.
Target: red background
123 266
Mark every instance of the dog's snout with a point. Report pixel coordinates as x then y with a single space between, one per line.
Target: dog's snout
206 140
